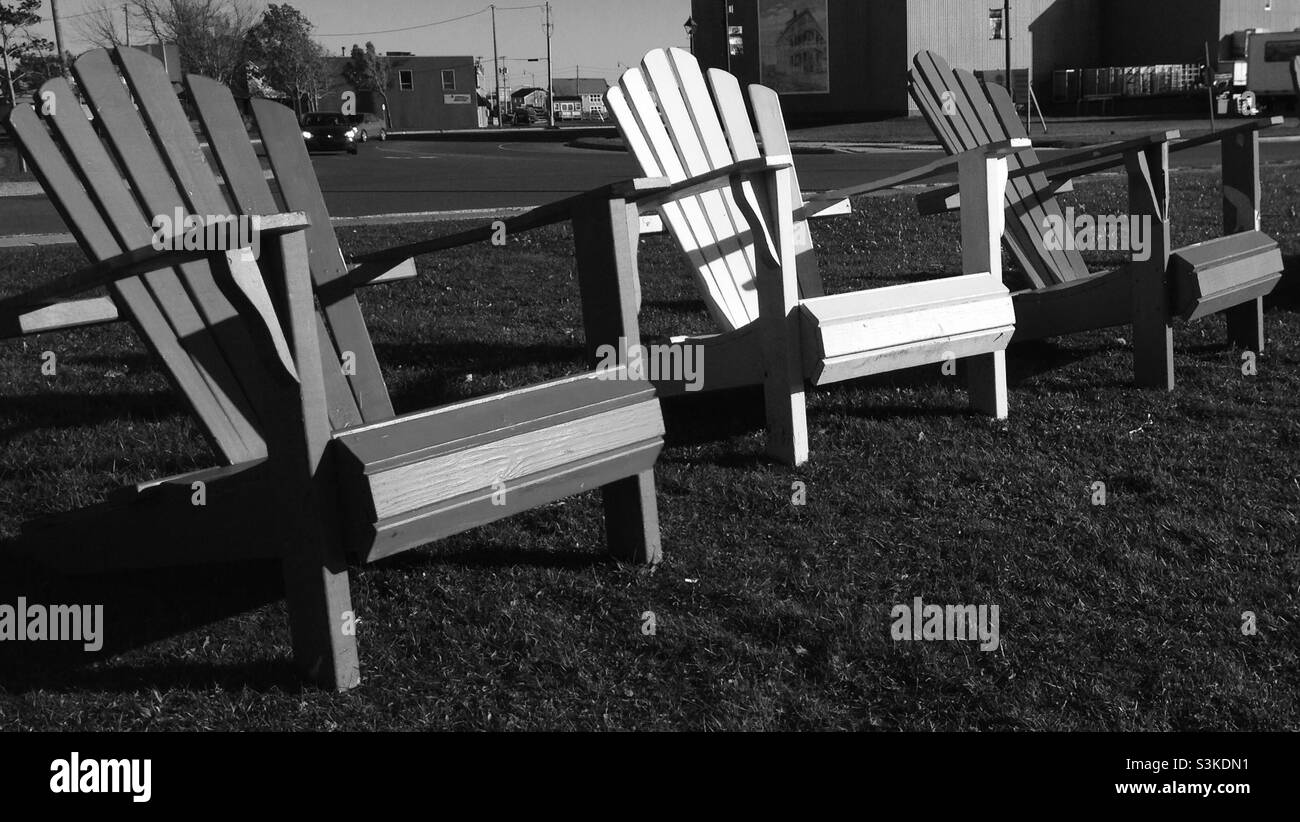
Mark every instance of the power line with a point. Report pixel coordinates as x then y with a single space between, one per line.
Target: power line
407 28
483 10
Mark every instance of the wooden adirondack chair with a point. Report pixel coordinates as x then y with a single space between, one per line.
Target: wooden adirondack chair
1231 274
751 252
318 465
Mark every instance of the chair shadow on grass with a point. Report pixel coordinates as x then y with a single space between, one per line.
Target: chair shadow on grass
139 609
40 412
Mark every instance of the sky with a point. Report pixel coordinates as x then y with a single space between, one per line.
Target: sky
600 36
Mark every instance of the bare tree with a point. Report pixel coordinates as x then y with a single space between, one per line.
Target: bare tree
321 79
105 26
209 34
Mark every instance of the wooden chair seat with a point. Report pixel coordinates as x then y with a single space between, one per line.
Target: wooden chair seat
846 336
426 476
1224 272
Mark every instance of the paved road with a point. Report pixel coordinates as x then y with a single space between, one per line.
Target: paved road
400 177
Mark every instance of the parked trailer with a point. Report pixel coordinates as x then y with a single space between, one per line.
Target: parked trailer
1260 64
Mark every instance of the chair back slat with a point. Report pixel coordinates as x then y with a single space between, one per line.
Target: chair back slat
167 176
248 188
776 141
282 140
158 318
137 176
964 116
673 131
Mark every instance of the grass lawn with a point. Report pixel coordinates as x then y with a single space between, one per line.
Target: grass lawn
769 615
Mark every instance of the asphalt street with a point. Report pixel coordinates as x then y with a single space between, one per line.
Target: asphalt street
401 177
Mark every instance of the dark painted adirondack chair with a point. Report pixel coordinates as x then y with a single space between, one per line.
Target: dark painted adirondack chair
1231 274
318 466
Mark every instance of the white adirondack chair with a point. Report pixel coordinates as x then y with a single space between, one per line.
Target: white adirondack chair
748 243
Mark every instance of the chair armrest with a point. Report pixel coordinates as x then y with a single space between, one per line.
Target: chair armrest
1225 133
1092 160
1060 170
947 165
142 261
718 178
376 263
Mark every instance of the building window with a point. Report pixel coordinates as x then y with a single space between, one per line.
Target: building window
448 80
1281 51
997 27
406 80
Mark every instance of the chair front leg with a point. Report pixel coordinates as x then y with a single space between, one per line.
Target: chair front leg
605 236
321 620
983 183
768 204
1241 199
1153 332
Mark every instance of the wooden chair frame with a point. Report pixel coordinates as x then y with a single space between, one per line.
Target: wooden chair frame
742 219
318 465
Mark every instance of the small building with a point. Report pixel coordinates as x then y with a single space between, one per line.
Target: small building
424 93
530 97
579 98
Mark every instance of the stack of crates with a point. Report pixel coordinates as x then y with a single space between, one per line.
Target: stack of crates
1140 81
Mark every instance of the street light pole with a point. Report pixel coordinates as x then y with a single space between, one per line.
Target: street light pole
1006 34
58 35
550 82
496 62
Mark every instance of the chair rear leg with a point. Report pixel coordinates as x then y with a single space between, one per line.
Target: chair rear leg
632 519
321 620
1246 325
986 377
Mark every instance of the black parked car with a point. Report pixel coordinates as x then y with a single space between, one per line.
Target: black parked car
329 131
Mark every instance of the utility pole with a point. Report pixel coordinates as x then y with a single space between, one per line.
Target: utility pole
58 35
550 83
496 61
1006 34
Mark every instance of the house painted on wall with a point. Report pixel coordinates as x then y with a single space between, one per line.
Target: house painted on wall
802 44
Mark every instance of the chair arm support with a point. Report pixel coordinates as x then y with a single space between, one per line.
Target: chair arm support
947 165
1092 160
142 261
557 212
1225 133
709 181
